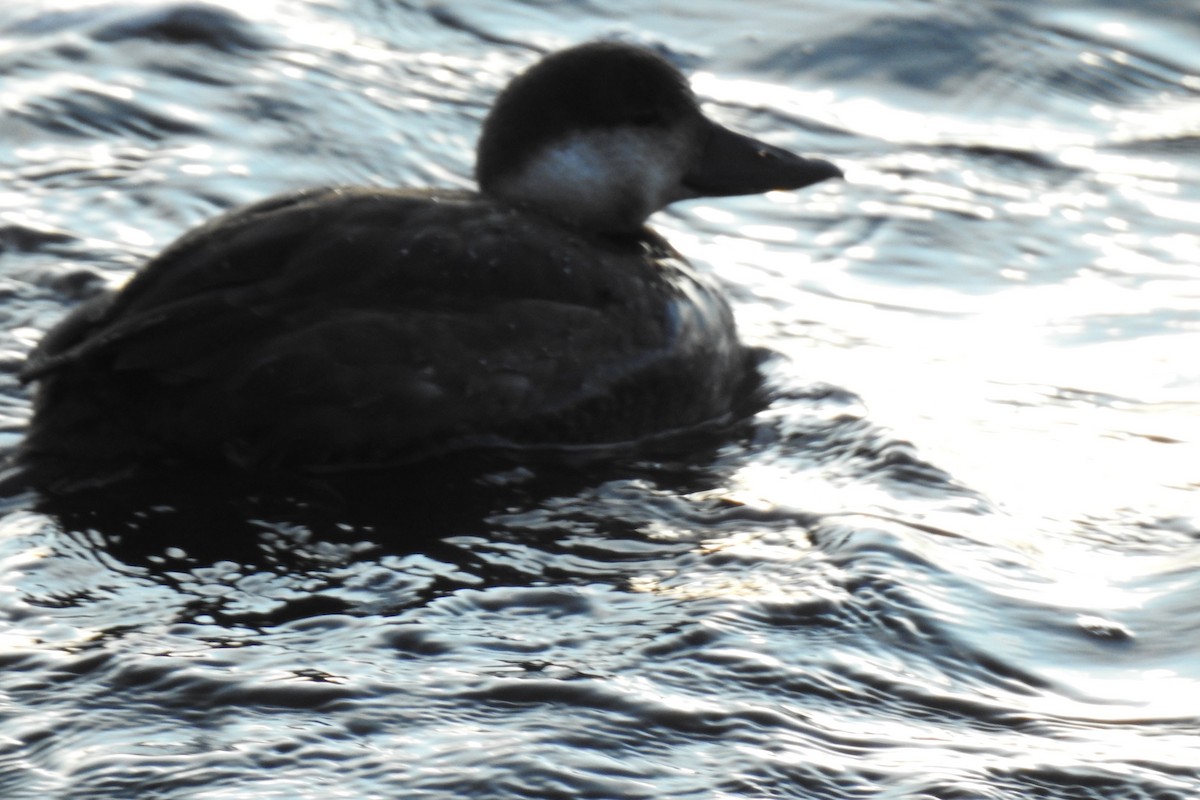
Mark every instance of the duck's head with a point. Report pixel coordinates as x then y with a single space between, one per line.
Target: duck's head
602 135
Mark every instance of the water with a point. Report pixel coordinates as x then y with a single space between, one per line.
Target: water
959 556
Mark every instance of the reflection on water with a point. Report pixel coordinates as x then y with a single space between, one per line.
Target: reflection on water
957 556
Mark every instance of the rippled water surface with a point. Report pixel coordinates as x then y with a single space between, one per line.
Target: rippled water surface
958 557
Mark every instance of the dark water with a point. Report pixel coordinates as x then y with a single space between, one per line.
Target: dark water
958 557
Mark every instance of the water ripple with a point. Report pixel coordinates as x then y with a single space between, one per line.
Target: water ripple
955 557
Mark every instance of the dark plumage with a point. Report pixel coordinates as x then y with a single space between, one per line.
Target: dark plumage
360 326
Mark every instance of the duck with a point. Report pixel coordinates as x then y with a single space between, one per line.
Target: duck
343 328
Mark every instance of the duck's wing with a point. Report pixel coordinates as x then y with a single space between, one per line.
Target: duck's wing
205 269
365 386
347 326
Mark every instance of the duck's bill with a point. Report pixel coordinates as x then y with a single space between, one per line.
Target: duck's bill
731 163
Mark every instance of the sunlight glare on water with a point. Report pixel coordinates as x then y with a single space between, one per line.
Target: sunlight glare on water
956 556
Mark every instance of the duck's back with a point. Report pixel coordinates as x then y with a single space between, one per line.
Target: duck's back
348 327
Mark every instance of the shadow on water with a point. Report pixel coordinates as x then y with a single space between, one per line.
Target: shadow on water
455 516
263 551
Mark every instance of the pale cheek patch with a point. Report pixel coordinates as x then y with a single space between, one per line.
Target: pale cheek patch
603 178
